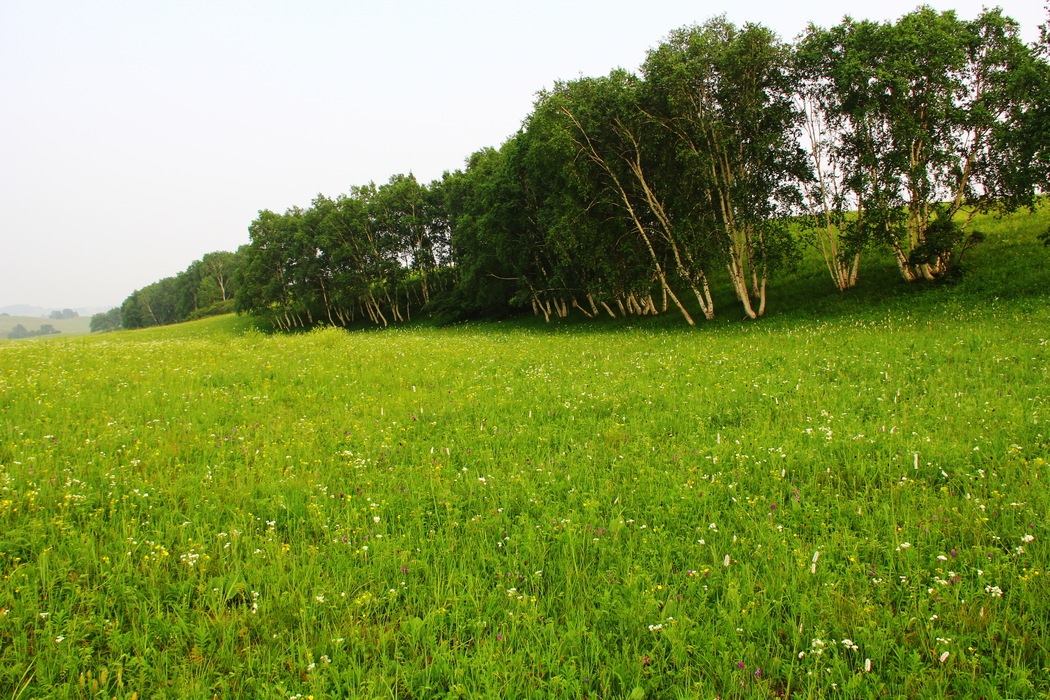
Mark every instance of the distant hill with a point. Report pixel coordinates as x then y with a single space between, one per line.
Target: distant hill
24 310
66 326
43 311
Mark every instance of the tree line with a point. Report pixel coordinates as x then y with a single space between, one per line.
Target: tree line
722 157
206 288
20 331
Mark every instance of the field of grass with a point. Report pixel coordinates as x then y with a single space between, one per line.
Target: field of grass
847 500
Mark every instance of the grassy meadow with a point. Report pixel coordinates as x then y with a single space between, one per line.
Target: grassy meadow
847 499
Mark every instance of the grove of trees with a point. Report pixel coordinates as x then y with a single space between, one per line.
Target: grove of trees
725 155
106 321
206 287
63 314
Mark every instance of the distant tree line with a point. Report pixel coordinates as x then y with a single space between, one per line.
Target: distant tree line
63 314
207 287
20 331
720 160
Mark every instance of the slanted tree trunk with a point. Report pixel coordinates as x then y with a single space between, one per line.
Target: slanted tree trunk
736 276
593 154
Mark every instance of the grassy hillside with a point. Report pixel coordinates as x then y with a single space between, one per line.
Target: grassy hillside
846 499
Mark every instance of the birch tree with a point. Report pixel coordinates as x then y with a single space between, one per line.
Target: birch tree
725 94
616 138
927 111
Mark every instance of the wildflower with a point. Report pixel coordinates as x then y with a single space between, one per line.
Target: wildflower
655 628
903 545
995 591
375 518
58 640
867 665
740 665
944 656
1028 538
725 562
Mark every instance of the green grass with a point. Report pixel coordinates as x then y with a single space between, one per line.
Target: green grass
513 510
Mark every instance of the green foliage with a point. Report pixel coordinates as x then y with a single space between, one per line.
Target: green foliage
376 253
106 321
927 117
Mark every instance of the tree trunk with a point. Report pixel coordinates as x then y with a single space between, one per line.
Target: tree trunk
736 275
706 305
594 308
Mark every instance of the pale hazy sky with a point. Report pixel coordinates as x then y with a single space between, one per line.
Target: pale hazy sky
136 136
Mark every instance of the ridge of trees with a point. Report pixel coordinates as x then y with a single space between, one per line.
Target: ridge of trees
726 154
206 288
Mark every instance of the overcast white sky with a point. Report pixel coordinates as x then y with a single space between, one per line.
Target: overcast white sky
136 136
